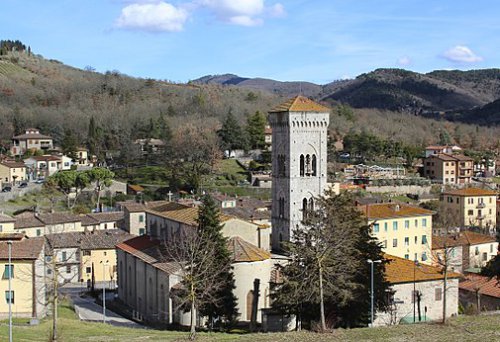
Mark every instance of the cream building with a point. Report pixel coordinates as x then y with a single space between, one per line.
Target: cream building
27 277
473 207
405 231
30 140
6 224
417 288
12 172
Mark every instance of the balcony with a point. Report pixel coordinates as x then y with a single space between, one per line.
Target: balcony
481 205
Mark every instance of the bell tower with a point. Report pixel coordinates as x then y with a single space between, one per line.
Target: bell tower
299 161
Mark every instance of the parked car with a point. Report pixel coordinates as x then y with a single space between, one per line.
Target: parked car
23 184
7 189
40 181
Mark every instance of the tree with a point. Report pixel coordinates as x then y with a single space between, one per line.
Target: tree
328 268
223 308
94 138
69 143
195 152
231 134
67 182
256 125
102 178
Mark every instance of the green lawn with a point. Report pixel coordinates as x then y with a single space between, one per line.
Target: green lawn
463 328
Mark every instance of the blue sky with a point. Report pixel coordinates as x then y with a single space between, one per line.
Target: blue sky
315 40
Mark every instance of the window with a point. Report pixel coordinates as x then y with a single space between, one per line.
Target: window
416 240
407 224
424 256
88 270
424 239
424 222
385 226
376 227
485 256
470 212
86 253
105 226
407 256
105 253
141 231
407 241
491 248
416 223
314 171
438 294
476 252
68 269
9 297
64 256
38 232
304 209
141 218
8 272
394 242
395 225
302 165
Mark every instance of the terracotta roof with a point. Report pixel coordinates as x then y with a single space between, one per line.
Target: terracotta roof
243 251
103 239
12 164
443 156
180 213
58 218
63 240
300 104
400 270
6 219
470 192
392 210
27 220
461 239
133 207
111 216
88 220
461 157
45 158
136 188
32 136
485 285
29 248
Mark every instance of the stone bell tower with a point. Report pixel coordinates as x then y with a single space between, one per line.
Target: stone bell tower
299 161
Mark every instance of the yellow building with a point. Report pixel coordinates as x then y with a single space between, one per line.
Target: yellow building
26 271
6 224
97 250
12 172
473 206
403 230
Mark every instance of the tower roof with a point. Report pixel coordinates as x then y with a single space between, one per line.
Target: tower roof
300 104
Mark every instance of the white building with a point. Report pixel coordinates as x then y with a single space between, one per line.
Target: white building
299 152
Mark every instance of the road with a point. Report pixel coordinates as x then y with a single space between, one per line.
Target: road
88 310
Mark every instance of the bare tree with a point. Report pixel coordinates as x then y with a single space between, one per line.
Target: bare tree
199 271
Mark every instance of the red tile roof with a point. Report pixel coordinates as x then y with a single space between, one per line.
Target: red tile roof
392 210
470 192
28 248
485 285
461 239
243 251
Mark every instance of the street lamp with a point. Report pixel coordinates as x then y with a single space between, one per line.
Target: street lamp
372 294
415 265
9 243
104 264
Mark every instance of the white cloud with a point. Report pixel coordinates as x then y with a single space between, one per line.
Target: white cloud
277 11
461 54
404 61
152 16
242 12
245 20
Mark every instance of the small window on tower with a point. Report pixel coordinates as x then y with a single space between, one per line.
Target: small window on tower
314 167
302 165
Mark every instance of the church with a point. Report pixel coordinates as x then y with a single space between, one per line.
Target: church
299 161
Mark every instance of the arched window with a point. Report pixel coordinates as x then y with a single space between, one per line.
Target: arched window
311 205
314 171
281 209
304 209
302 165
308 165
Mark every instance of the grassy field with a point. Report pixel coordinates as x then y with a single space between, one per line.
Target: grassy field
464 328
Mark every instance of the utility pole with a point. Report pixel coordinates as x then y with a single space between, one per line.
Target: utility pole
372 287
10 290
104 264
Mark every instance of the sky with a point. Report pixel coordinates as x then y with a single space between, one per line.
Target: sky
288 40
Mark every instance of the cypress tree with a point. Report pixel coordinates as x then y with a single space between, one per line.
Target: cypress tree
210 228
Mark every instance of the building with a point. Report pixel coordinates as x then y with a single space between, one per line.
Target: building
27 223
405 231
97 251
299 158
31 140
150 145
473 207
134 215
44 166
27 274
103 221
417 293
224 201
465 250
6 224
439 149
12 172
62 252
480 293
448 169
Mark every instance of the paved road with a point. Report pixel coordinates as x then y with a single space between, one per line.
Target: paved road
88 310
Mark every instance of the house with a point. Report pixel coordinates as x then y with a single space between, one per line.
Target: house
97 250
481 292
134 189
29 224
268 136
12 172
261 180
62 222
31 140
82 159
27 276
473 207
6 224
62 251
102 221
445 168
134 215
224 201
417 293
150 145
438 149
405 231
466 250
251 210
43 166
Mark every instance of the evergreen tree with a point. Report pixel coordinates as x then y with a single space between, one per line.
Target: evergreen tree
94 138
210 229
69 143
231 133
256 125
